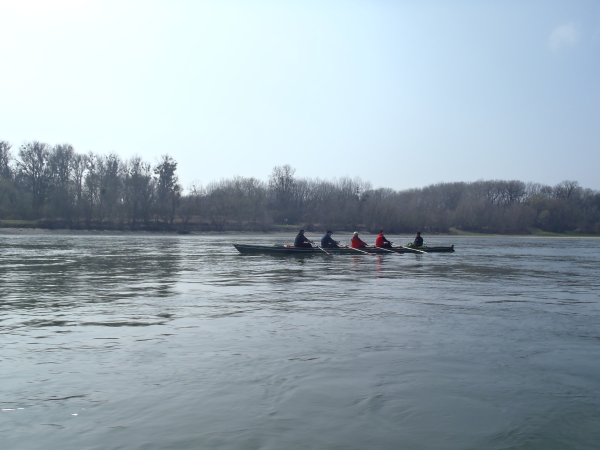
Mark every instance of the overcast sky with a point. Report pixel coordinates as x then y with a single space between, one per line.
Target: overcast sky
402 94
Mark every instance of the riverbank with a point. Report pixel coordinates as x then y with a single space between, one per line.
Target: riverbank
533 232
283 233
207 228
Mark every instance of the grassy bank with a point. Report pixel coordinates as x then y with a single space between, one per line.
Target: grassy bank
40 226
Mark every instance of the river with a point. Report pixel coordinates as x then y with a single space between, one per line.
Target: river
179 342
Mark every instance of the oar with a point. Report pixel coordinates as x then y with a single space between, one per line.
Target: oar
388 250
362 251
410 248
322 249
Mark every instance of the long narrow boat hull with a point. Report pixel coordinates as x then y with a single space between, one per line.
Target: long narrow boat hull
284 250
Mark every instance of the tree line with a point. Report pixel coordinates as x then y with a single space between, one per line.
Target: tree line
55 186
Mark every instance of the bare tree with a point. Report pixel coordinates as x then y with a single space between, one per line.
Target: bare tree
91 189
567 190
5 159
78 169
111 171
139 191
34 169
190 204
168 189
60 195
281 184
7 189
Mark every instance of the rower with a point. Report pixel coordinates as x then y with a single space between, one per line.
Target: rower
356 242
302 241
381 241
418 240
327 241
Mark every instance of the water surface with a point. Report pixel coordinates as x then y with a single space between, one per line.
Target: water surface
152 342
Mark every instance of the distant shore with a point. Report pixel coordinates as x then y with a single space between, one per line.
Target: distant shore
104 192
291 234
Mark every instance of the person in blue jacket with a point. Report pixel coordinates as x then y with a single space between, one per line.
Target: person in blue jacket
327 241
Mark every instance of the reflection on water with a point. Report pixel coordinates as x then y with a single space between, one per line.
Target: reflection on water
180 342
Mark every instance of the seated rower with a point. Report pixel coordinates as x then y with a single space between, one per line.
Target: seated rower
418 240
327 241
302 241
356 242
381 241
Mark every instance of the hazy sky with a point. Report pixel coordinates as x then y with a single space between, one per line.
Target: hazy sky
403 94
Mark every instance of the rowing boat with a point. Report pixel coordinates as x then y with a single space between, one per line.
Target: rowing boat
289 250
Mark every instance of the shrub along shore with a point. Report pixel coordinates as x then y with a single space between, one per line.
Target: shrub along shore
54 187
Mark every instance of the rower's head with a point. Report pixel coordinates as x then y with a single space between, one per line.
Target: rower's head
301 231
380 231
329 232
418 233
356 233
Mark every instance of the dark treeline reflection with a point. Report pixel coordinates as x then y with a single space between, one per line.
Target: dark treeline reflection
58 187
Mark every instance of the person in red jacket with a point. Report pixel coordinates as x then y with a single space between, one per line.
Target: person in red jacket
381 241
356 242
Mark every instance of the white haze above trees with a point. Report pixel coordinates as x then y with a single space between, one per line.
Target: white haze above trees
54 186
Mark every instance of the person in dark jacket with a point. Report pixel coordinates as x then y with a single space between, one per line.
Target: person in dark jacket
327 241
418 240
381 241
302 241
